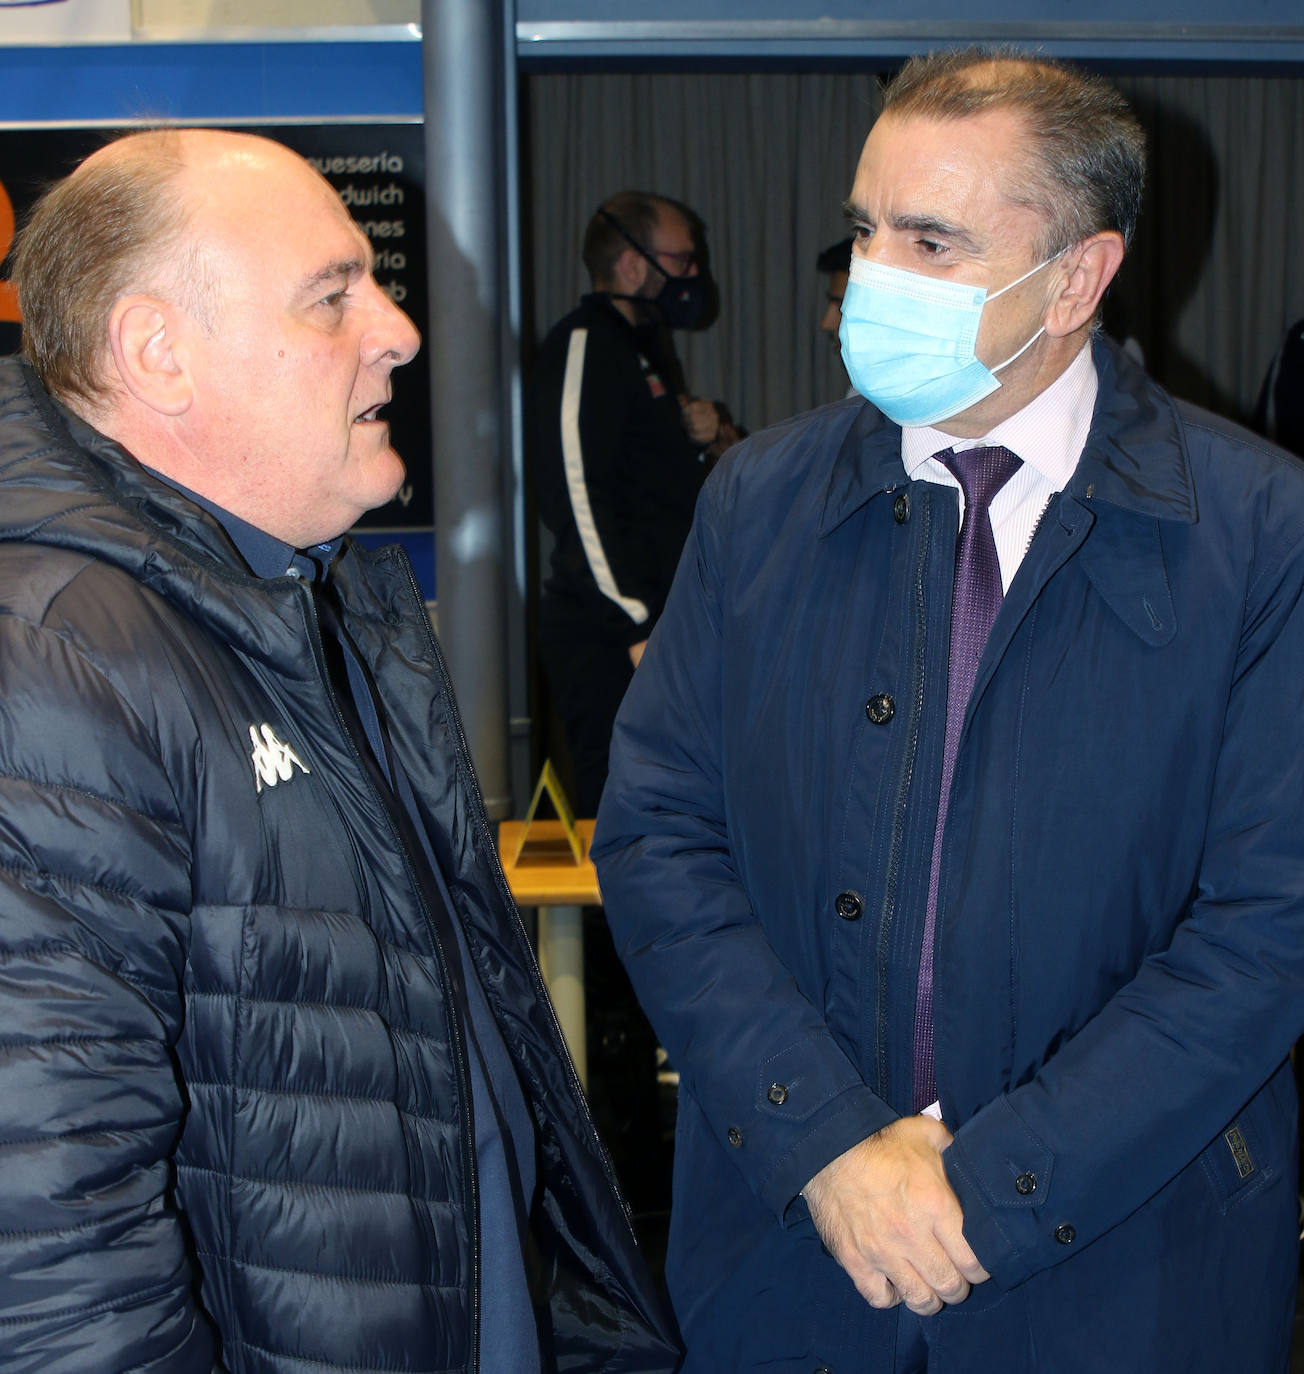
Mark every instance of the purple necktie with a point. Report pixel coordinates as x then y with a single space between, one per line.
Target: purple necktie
981 472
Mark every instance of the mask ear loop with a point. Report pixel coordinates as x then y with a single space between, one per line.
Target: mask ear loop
1015 356
624 233
1030 273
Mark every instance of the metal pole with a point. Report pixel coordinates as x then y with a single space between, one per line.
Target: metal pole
464 56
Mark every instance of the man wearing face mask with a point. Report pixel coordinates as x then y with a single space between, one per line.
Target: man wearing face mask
952 837
834 263
620 453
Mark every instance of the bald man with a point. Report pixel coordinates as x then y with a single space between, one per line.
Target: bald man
279 1087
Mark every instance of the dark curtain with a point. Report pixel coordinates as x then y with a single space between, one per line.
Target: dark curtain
1215 276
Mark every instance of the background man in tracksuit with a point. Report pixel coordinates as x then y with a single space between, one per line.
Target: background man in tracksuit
620 451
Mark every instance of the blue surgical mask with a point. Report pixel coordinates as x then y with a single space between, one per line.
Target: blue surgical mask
908 341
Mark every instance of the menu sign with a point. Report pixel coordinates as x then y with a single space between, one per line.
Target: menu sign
379 171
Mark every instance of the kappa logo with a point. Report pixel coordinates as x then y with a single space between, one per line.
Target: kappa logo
273 760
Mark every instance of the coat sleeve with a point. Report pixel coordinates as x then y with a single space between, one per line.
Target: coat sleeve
1166 1065
725 1006
597 489
94 886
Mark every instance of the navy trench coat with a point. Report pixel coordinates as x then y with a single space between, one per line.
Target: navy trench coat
1120 948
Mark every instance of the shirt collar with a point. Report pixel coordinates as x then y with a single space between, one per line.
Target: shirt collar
1049 433
266 555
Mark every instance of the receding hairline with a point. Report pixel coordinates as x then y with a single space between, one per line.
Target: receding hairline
1087 165
179 270
1010 110
182 143
141 216
1024 161
1002 76
201 159
191 152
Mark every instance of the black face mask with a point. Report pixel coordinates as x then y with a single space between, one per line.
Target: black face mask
682 301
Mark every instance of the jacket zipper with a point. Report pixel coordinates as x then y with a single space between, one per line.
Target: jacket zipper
1035 531
899 811
455 1029
481 819
1041 520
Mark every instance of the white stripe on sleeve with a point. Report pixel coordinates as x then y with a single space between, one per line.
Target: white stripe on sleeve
573 463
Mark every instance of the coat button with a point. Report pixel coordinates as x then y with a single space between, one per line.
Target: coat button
735 1137
1065 1234
778 1093
821 1369
880 709
848 906
901 509
1025 1184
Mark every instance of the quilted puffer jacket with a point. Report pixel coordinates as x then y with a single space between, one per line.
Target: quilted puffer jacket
233 1095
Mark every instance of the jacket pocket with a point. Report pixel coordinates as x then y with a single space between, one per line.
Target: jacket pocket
1248 1153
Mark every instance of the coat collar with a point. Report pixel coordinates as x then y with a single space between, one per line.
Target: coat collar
868 463
1135 456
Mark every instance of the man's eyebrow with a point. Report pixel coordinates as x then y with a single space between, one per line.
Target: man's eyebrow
333 271
917 224
935 228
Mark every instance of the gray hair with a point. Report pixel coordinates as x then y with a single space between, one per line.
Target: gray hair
116 224
1089 157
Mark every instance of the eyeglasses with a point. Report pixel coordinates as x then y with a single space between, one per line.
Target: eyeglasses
684 262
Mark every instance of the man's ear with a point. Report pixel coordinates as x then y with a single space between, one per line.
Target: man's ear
630 272
1091 267
145 339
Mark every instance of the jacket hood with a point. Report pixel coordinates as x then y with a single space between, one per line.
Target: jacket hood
65 485
56 466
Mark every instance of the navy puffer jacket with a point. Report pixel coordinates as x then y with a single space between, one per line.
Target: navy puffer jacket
233 1097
